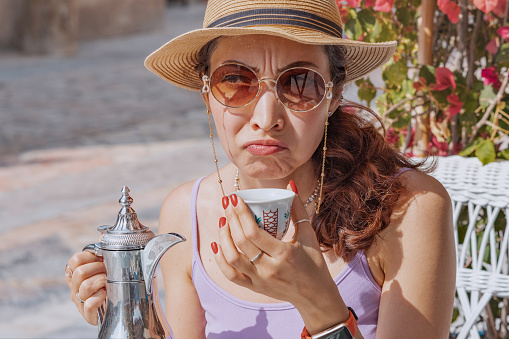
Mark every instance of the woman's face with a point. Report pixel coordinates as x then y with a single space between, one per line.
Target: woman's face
265 139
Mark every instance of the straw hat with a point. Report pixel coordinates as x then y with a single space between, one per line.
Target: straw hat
315 22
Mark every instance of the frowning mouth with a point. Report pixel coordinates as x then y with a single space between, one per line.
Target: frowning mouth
264 147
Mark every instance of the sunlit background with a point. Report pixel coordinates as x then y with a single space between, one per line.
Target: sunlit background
80 117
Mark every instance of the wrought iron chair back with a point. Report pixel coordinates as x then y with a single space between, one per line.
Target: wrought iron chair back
480 197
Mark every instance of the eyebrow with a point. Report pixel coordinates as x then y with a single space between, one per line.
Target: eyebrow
292 65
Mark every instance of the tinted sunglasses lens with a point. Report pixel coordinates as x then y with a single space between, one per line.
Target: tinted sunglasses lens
234 85
300 89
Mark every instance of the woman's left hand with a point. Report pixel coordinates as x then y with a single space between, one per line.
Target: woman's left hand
293 271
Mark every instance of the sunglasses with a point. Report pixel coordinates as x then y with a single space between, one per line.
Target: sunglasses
300 89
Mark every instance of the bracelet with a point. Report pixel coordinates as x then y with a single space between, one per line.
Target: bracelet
340 331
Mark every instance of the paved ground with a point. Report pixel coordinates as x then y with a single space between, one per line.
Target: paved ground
73 131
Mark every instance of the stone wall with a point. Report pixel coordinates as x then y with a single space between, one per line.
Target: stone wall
102 18
56 26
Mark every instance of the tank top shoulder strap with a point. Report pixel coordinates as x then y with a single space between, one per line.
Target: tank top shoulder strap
401 171
194 217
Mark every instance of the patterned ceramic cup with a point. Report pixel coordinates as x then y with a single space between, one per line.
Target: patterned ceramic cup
271 208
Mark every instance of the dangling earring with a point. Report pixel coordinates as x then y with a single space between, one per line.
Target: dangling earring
318 203
204 92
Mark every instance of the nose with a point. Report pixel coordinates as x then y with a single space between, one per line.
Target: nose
268 112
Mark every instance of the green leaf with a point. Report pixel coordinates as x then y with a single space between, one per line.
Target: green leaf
486 151
441 97
500 222
396 73
389 33
366 19
470 103
428 73
469 149
381 103
402 121
403 15
366 91
503 154
353 29
487 95
377 30
407 88
503 56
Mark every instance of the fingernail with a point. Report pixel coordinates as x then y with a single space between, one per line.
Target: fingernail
214 247
222 222
234 199
225 202
293 187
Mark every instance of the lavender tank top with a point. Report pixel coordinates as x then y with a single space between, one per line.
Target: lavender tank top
229 317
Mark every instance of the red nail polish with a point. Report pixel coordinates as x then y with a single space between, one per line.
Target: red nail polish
222 222
225 202
234 199
214 247
293 187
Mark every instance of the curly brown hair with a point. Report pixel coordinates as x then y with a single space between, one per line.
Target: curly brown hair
360 187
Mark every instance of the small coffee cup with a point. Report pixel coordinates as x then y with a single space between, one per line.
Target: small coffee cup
270 207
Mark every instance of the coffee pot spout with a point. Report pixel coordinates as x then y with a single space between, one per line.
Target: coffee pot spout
153 253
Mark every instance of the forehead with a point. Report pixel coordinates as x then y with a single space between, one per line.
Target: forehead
259 50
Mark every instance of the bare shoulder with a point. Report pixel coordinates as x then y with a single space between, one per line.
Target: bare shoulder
424 199
421 222
418 261
421 226
419 183
175 213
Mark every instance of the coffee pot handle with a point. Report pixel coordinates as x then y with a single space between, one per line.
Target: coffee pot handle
96 250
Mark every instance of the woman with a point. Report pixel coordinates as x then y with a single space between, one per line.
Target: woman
370 230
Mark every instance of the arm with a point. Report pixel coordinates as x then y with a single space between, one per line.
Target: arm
183 310
418 259
285 269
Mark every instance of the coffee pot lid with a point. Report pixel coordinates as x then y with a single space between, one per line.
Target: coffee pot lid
128 233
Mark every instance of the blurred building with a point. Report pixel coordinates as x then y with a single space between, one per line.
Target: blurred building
57 26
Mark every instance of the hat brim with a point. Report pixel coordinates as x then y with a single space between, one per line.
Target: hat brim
175 61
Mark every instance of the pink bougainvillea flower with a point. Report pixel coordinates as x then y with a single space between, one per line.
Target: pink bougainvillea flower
419 85
445 79
500 9
455 105
490 76
486 5
441 4
456 147
438 148
504 32
492 46
370 3
353 3
392 137
384 5
343 12
451 9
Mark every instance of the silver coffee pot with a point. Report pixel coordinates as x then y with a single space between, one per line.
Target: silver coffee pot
131 253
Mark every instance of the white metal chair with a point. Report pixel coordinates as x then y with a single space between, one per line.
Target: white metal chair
481 245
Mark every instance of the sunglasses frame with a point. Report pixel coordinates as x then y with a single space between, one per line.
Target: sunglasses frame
327 93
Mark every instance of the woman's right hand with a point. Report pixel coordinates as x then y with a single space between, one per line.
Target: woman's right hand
86 277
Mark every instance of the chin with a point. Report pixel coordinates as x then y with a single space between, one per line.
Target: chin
267 170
